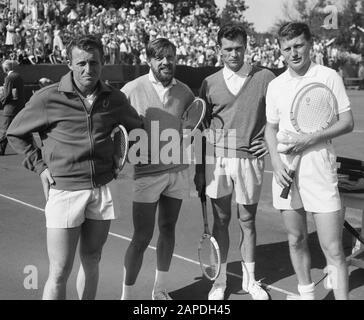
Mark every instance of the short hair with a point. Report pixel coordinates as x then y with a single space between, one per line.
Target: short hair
86 43
290 30
231 31
9 65
158 47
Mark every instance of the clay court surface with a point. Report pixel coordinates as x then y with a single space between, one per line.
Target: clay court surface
23 234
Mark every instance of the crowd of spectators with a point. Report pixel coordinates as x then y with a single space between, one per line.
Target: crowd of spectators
38 33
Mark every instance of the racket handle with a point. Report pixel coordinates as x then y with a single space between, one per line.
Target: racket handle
285 191
202 196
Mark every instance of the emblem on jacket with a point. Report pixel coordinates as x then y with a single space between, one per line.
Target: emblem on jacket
105 104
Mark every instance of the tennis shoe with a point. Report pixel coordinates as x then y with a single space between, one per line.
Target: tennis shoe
256 291
299 297
161 295
217 292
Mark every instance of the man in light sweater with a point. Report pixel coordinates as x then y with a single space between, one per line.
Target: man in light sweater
160 100
235 98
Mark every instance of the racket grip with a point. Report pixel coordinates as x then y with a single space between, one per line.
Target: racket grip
285 191
202 196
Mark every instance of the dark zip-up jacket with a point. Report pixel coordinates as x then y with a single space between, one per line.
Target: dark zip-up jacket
76 143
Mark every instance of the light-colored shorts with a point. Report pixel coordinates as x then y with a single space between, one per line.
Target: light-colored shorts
172 184
315 187
69 209
243 175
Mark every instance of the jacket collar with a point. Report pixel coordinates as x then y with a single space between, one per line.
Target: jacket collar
66 85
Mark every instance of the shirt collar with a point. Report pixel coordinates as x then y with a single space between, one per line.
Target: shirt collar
66 85
293 75
153 80
243 72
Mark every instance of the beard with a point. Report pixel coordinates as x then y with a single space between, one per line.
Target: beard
164 74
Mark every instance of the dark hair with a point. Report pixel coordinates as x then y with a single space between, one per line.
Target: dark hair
231 31
158 47
86 43
290 30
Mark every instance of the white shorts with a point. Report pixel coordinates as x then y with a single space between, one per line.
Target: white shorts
69 209
315 187
173 184
243 175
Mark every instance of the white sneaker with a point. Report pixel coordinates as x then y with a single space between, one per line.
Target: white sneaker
256 291
161 295
217 292
299 297
328 283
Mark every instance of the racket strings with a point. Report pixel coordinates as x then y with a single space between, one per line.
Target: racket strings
192 116
120 140
123 147
314 109
209 258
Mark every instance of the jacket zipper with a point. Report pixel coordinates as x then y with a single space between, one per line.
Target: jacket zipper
89 127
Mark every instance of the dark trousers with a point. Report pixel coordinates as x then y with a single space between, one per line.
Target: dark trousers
4 125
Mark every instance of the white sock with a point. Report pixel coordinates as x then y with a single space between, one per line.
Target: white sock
221 279
127 292
248 269
307 292
160 280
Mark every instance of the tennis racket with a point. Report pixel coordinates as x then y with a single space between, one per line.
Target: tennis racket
355 233
192 117
313 109
208 249
120 139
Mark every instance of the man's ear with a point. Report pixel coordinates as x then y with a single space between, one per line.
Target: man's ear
218 50
69 64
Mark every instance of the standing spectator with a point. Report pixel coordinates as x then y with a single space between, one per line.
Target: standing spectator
57 40
12 99
361 74
10 33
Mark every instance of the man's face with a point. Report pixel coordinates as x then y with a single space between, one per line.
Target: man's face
163 66
232 53
86 67
296 52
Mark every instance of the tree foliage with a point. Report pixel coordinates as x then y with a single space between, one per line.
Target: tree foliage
350 15
234 11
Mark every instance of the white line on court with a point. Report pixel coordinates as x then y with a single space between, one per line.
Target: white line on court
270 287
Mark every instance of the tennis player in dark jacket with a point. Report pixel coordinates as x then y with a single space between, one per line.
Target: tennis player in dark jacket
74 119
12 99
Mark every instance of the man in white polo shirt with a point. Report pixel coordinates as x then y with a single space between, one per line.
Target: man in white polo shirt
315 186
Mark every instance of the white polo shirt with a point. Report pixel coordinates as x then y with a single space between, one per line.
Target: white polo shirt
158 86
315 185
282 90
